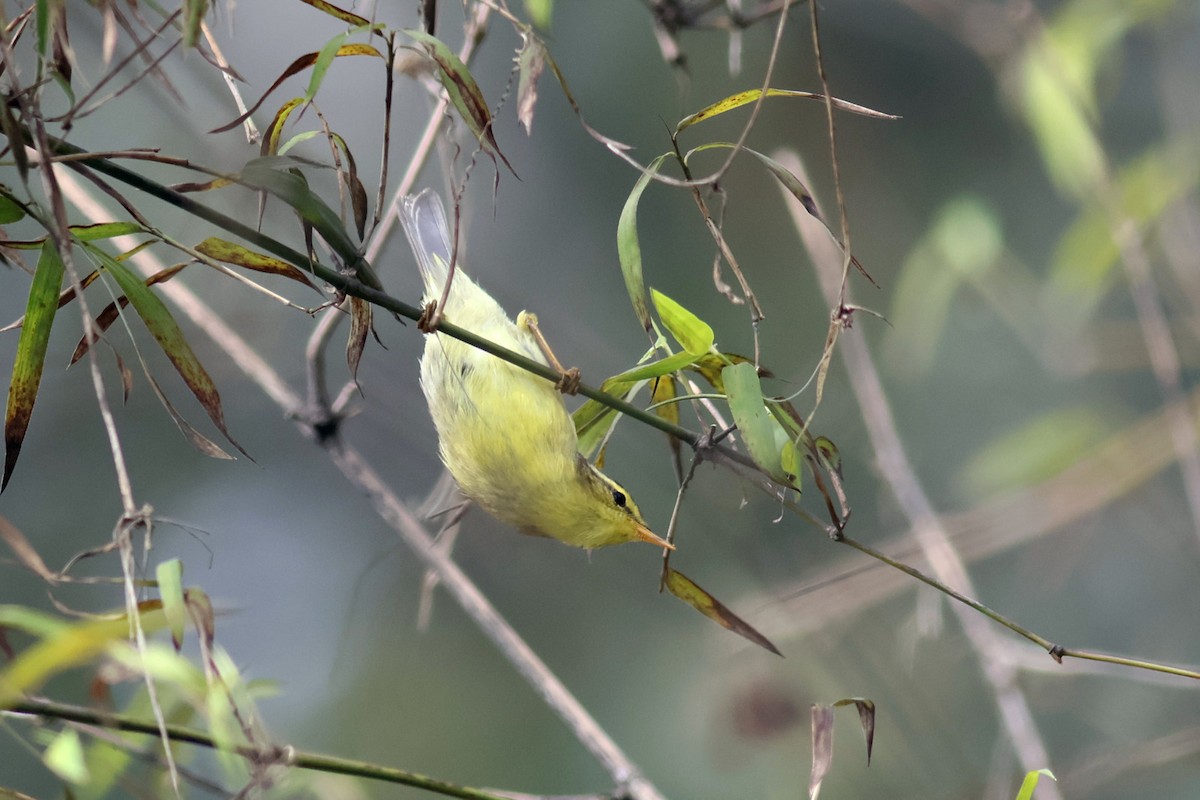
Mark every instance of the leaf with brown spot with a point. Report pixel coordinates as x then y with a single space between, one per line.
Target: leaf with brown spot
166 332
464 93
831 458
271 136
332 10
201 186
822 748
31 353
231 253
689 592
108 316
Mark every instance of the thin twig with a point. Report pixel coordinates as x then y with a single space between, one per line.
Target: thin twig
900 477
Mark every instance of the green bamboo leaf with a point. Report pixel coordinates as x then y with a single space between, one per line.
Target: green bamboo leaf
594 420
47 14
758 428
292 188
664 366
742 98
10 211
170 590
87 233
690 592
1031 781
166 332
464 93
540 12
193 15
693 334
31 621
71 646
630 250
64 757
31 353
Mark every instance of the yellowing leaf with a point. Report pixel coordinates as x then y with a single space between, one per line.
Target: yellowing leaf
742 98
31 354
690 592
693 334
232 253
68 647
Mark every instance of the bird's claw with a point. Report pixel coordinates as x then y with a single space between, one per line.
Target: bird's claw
430 317
569 381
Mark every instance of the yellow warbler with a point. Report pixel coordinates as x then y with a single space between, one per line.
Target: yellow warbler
504 433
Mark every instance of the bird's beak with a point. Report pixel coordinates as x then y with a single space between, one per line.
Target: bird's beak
644 534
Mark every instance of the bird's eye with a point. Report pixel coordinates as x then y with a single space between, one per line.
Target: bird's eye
619 498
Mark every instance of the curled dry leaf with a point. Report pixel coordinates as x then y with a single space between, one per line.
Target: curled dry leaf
531 60
822 748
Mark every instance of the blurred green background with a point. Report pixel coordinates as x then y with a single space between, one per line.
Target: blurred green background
1012 358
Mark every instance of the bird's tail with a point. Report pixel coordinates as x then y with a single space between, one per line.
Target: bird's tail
424 222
